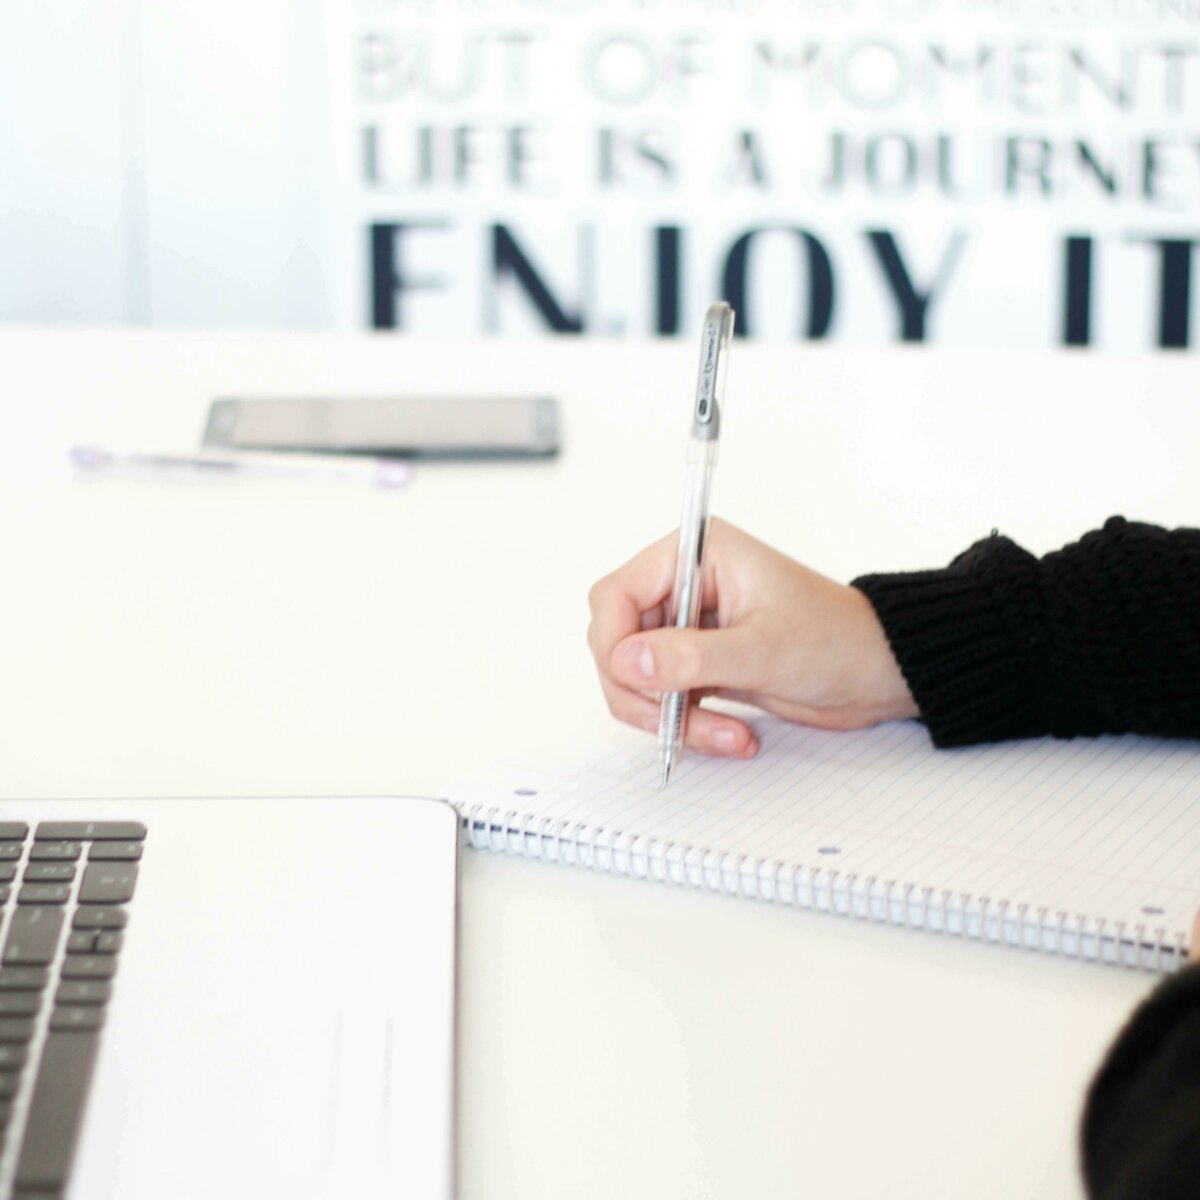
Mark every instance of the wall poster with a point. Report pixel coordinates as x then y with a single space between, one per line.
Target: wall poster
975 173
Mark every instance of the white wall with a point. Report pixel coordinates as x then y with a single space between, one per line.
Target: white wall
66 165
199 163
165 163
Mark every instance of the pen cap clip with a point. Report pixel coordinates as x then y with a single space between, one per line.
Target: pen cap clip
714 358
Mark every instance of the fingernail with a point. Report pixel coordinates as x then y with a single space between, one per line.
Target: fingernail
725 739
638 660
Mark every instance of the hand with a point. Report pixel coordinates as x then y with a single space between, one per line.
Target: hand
773 634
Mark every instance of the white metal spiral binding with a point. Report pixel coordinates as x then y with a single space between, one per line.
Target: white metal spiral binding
823 889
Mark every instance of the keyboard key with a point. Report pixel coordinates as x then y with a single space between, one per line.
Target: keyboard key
89 966
15 1029
19 1004
90 831
54 851
56 1111
8 872
108 942
49 872
88 1019
115 852
13 831
107 883
87 941
100 918
33 936
44 893
10 851
10 1083
83 991
23 979
5 1114
5 892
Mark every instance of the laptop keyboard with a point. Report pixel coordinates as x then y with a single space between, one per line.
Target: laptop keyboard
64 892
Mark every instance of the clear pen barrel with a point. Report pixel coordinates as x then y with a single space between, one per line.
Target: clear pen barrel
693 532
689 582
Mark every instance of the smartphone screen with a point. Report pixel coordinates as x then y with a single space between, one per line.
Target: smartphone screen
409 427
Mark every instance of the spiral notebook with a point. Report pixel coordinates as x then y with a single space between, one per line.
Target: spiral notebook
1088 848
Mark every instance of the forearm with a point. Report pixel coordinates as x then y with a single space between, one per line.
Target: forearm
1102 636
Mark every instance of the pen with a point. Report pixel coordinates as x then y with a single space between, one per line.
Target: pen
703 444
380 472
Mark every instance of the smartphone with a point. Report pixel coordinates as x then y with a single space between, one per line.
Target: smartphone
401 427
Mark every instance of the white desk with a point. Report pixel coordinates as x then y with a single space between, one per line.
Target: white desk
617 1038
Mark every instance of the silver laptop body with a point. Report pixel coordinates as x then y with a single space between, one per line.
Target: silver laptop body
273 1016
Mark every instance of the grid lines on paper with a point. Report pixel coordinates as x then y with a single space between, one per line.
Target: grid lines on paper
1107 828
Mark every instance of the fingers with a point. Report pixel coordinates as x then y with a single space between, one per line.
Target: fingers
718 734
678 660
632 602
638 596
632 598
705 732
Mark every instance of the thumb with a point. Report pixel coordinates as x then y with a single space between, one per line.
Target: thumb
678 660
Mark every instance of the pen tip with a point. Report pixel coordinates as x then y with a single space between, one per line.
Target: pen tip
666 774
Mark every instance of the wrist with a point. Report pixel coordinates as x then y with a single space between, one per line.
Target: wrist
883 693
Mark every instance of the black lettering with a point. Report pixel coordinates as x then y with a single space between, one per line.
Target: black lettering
1118 93
1174 87
619 151
370 155
462 141
913 305
1028 79
388 280
961 65
747 160
1106 177
1077 292
509 260
383 74
820 280
1027 156
1156 164
766 59
648 152
516 156
945 164
514 48
666 244
1174 289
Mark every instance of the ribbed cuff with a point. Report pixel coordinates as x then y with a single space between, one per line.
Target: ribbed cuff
968 670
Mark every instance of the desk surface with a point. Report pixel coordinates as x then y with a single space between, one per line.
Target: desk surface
623 1038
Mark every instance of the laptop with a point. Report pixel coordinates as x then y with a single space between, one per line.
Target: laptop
227 997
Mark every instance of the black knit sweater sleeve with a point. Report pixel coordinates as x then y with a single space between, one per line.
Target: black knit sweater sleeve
1141 1123
1102 636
